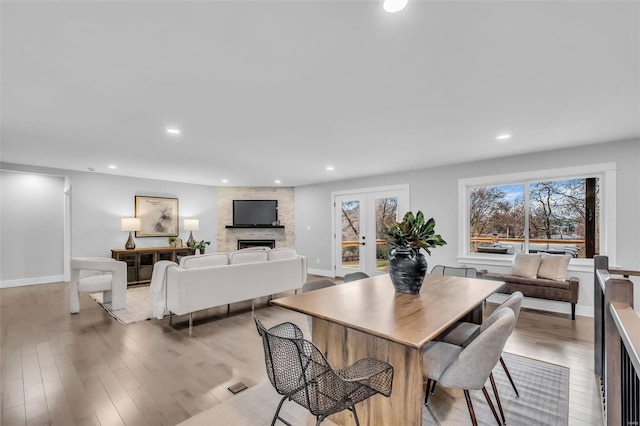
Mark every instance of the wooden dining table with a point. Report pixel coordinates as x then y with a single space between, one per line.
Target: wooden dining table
368 318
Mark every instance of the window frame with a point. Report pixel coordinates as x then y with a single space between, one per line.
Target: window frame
606 172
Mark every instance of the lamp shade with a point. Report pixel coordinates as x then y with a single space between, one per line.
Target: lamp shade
130 224
192 224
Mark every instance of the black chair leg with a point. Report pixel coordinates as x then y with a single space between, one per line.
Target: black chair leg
493 409
433 387
277 417
506 370
472 413
355 415
426 391
573 311
495 392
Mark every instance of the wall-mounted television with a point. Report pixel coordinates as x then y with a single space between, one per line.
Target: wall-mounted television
255 212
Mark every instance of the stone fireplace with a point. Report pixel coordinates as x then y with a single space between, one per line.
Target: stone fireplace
228 236
242 244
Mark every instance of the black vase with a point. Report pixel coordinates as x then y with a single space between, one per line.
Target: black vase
407 269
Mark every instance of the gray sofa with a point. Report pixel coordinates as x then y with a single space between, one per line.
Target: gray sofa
562 291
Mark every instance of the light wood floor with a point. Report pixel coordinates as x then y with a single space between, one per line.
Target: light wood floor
87 368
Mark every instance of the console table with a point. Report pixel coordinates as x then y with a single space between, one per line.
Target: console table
140 261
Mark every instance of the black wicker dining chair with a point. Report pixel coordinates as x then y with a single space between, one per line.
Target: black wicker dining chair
455 271
300 372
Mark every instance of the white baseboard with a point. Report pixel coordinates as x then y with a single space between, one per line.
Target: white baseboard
31 281
321 272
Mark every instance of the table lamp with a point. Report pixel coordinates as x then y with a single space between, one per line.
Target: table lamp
191 225
130 224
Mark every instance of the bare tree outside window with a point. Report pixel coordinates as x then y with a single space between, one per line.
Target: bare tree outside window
350 234
557 216
386 212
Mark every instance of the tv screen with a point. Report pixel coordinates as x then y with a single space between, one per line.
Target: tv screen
255 212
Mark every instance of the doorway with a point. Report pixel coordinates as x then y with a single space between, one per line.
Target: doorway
359 218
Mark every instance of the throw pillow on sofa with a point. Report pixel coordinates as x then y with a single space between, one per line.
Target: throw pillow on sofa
526 265
553 267
282 253
204 260
251 256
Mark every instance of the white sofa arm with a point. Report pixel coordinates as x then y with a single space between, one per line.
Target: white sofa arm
158 287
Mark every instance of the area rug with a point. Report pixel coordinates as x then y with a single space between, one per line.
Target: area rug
543 387
544 397
139 306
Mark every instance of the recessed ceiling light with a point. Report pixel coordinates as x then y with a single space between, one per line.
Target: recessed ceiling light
225 181
277 181
393 6
112 166
330 168
503 137
173 131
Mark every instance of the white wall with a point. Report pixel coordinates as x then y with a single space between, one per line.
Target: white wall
98 201
435 192
31 227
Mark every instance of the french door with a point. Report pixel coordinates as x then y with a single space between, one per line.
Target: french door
359 228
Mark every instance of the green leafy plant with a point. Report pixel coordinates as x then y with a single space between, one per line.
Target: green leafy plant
201 245
172 240
413 232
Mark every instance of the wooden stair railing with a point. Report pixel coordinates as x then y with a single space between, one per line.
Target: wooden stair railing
616 344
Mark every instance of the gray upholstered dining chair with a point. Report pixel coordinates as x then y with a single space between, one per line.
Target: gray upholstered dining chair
463 333
469 367
315 285
298 371
455 271
354 276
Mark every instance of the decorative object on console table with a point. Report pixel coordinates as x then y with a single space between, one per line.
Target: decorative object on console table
130 224
173 241
407 266
201 246
158 216
191 225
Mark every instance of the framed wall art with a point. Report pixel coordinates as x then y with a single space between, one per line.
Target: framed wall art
158 216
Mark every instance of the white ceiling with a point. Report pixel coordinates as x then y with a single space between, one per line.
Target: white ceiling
281 89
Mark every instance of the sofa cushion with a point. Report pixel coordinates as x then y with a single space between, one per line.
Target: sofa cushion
513 279
534 248
494 250
251 256
513 248
572 250
526 265
204 260
553 267
282 253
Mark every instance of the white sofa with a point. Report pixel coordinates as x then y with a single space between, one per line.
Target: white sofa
206 281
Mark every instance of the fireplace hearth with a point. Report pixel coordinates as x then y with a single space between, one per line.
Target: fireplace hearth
242 244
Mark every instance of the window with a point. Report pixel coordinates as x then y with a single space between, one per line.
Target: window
555 211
